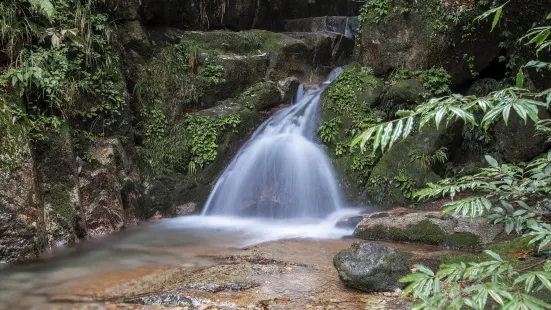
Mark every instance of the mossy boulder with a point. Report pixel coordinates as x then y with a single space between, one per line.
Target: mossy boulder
261 96
371 267
348 105
409 165
404 95
430 228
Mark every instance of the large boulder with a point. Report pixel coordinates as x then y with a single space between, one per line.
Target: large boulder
410 165
371 267
404 95
518 141
58 179
431 228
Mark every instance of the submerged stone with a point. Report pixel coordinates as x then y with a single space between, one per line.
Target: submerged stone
371 267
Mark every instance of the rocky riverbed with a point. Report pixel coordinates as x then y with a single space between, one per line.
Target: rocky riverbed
138 270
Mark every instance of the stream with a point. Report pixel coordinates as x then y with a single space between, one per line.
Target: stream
265 240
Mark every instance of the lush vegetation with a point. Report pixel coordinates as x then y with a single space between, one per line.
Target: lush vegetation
516 195
58 56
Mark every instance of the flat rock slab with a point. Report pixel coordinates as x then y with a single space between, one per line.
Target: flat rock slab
431 228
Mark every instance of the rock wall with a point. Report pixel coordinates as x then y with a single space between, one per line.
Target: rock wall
22 227
71 186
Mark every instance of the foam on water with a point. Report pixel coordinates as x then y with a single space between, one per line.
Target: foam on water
259 230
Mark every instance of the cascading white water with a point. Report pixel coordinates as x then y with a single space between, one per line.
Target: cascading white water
347 30
281 172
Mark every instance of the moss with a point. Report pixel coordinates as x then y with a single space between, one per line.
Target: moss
260 96
501 248
424 232
59 197
350 98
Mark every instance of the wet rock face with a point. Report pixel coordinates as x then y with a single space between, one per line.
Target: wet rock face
57 173
237 15
21 215
101 188
371 267
338 24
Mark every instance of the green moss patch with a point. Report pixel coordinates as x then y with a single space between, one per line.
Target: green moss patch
424 232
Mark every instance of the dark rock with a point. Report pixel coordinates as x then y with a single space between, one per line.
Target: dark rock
294 9
409 39
288 88
349 223
343 25
261 96
371 267
483 87
58 177
223 109
164 194
404 95
125 9
313 60
239 15
134 36
517 141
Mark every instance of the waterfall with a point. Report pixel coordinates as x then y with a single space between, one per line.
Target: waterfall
347 30
281 173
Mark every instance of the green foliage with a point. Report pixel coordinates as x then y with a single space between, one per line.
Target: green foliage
204 132
517 196
405 184
191 143
341 95
496 106
212 73
171 83
168 152
362 166
342 148
328 131
12 140
427 160
436 80
374 10
155 127
59 56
